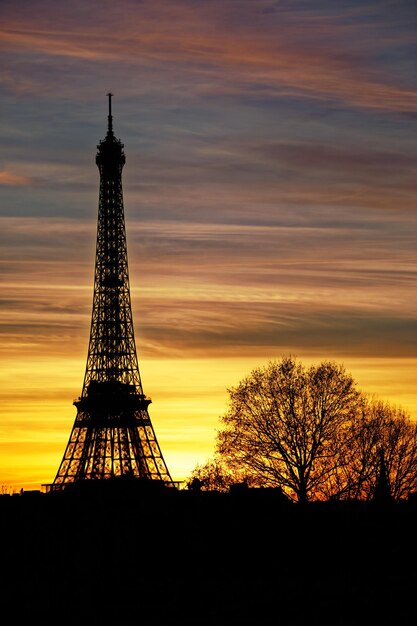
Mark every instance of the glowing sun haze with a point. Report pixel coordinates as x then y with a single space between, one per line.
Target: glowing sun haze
270 201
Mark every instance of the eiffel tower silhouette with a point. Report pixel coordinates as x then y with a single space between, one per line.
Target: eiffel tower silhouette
112 435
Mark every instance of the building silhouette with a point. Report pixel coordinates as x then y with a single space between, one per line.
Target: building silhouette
112 435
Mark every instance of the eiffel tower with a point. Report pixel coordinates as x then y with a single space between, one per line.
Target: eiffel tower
112 435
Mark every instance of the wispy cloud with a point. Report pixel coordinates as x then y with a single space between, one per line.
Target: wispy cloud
278 53
212 289
13 180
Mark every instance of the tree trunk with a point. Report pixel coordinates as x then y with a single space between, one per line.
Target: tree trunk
302 491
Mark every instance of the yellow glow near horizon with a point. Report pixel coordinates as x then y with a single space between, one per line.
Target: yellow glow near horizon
188 397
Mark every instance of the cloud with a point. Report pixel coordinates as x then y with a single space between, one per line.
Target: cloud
229 329
213 50
14 180
212 289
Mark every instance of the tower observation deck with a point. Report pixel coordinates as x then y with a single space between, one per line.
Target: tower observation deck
112 435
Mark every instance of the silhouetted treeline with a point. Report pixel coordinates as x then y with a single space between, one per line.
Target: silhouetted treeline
312 433
250 556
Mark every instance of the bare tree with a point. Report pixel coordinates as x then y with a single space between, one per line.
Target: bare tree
6 490
383 429
358 461
284 423
212 476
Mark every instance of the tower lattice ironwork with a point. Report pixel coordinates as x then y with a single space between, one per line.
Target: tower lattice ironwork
112 435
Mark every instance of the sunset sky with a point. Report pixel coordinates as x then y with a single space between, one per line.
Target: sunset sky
270 201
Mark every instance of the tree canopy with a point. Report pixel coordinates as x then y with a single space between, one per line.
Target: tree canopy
312 433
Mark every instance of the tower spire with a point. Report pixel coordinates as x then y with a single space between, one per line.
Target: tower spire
112 435
110 117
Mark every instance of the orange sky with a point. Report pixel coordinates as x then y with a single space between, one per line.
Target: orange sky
269 188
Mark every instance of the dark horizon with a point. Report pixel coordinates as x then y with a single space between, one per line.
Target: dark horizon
208 559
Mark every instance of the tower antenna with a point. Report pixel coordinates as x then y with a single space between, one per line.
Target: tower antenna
110 117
